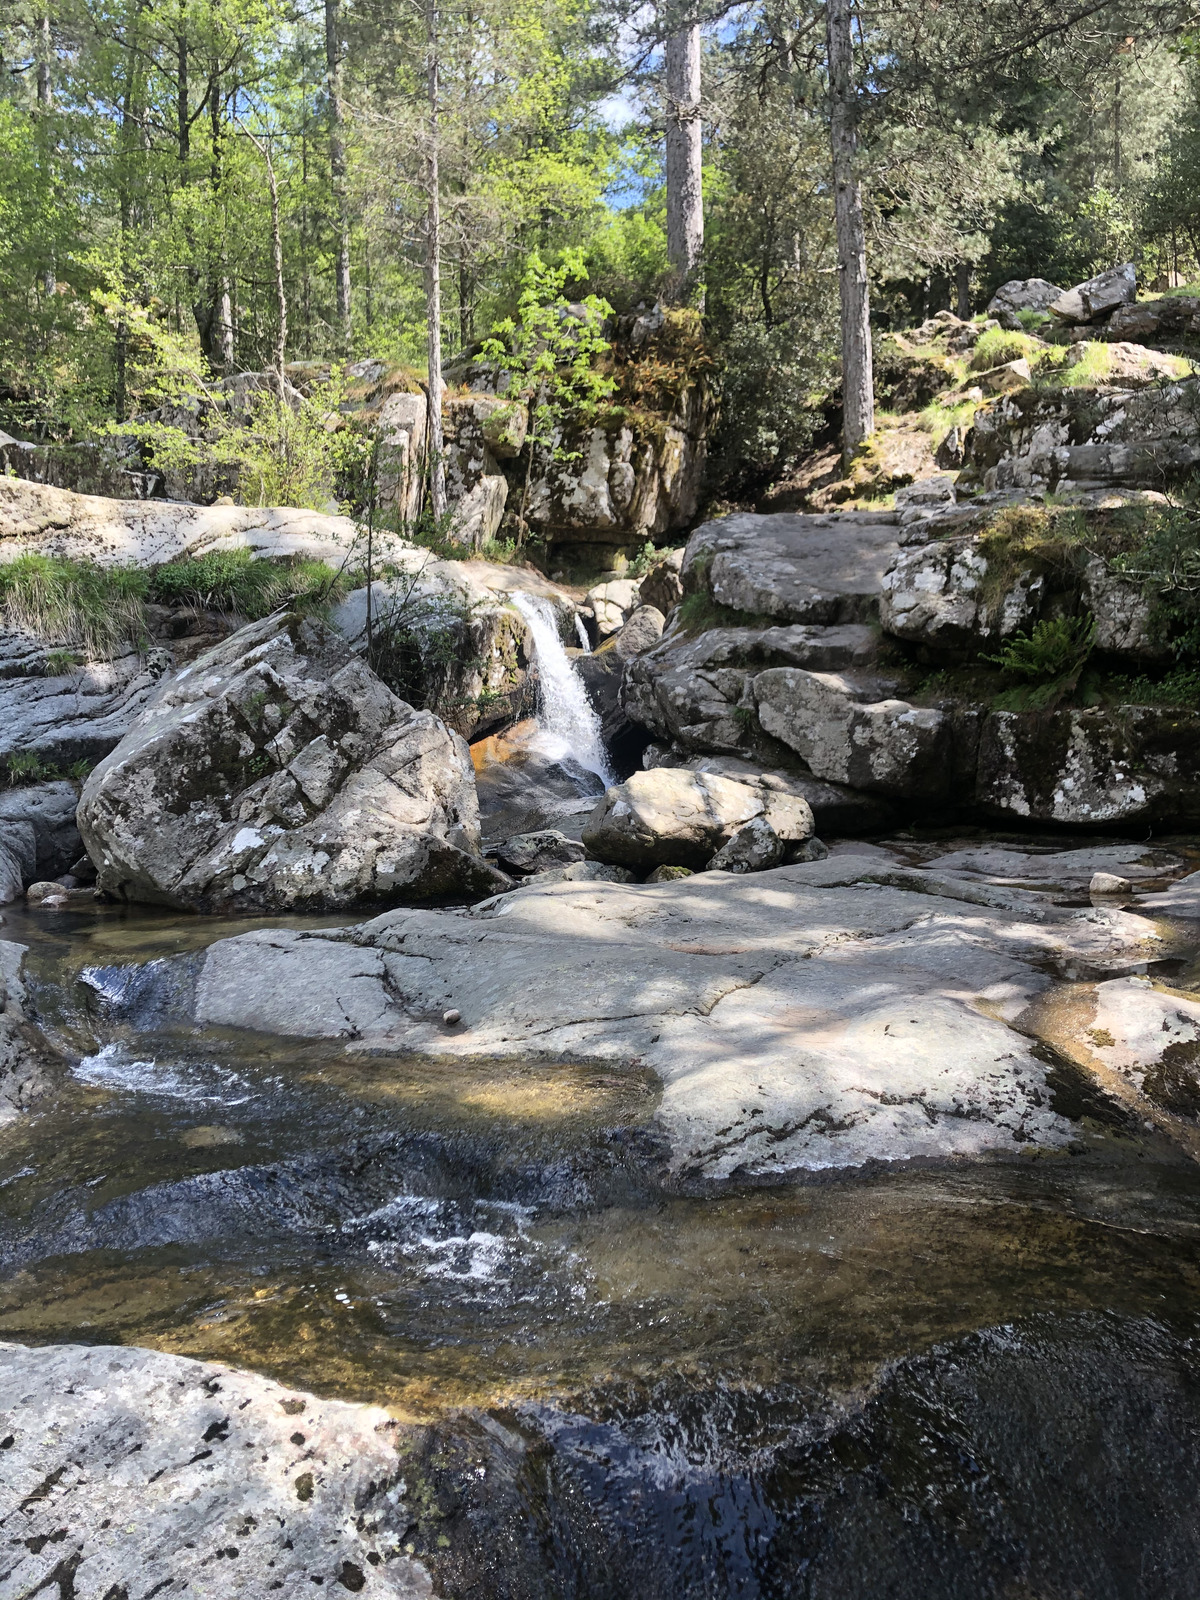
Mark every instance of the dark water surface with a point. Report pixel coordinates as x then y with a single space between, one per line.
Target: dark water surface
958 1381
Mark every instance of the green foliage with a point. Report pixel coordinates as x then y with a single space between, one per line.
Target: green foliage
23 767
420 642
235 581
1056 649
644 560
1165 560
550 352
1180 687
79 603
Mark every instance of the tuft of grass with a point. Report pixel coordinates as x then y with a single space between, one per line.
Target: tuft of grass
1076 366
235 581
998 346
938 419
95 608
24 767
1180 687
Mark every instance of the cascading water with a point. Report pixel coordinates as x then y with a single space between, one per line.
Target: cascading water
585 643
564 711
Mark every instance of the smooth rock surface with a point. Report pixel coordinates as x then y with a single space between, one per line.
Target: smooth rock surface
847 1010
277 771
129 1472
673 817
25 1062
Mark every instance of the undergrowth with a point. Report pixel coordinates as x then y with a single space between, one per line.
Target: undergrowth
23 767
234 581
998 346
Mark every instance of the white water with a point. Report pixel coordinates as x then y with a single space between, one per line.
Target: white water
570 726
584 641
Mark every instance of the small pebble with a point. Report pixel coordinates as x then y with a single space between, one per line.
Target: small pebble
451 1017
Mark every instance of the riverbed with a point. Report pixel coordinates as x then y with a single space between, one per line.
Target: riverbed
947 1379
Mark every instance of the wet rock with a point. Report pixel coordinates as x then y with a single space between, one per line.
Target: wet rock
529 853
1071 869
45 891
131 1471
669 874
669 816
755 847
277 771
1105 292
586 872
889 747
26 1063
14 854
526 783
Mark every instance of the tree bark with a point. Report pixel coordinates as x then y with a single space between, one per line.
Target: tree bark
685 203
337 173
45 100
433 264
962 289
263 146
222 309
858 384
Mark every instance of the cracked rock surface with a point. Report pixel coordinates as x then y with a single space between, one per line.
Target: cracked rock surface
130 1473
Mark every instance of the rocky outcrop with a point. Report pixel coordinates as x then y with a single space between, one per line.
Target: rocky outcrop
1022 294
1172 321
1076 439
1085 768
130 1471
277 771
60 712
38 835
675 817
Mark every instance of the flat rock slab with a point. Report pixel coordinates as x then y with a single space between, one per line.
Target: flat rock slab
821 1015
129 1473
795 568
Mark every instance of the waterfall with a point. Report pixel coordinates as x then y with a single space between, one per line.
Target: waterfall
564 712
584 641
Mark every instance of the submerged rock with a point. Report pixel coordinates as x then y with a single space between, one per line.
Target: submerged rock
277 771
131 1472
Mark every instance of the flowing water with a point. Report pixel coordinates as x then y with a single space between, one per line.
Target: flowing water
570 726
961 1381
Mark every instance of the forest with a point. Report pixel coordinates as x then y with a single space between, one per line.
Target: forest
191 189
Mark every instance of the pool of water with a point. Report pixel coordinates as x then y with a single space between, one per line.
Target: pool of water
954 1380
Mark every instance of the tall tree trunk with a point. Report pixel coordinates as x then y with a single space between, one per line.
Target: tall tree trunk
337 172
222 318
45 100
277 253
433 264
685 203
962 289
858 383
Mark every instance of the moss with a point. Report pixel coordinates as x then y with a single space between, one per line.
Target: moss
698 612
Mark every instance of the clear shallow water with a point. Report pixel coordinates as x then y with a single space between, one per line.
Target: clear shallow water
956 1381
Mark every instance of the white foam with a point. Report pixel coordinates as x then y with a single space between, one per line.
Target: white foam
112 1068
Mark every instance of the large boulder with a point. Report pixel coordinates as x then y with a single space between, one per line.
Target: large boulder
134 1472
25 1062
45 813
1105 292
278 772
1135 764
673 817
887 747
1022 294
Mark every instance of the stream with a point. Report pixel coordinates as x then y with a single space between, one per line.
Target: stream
946 1381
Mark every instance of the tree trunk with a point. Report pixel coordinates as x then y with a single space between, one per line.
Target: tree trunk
433 266
277 252
685 203
337 173
858 384
222 310
962 289
45 100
